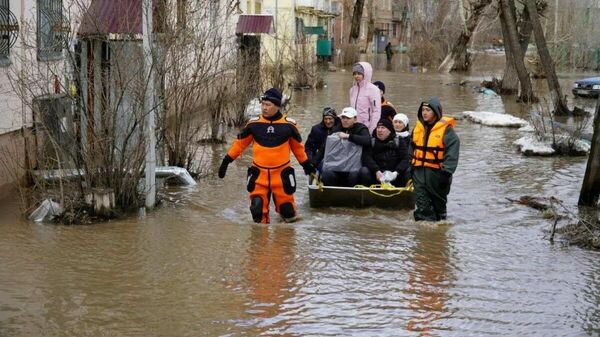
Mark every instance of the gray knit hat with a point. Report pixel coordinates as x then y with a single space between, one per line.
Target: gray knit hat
358 68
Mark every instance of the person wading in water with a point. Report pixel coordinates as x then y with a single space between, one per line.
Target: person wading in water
273 136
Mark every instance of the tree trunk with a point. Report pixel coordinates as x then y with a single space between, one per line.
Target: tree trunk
457 59
560 106
590 190
370 30
511 40
510 79
356 18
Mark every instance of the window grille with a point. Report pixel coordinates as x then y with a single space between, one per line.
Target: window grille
9 29
51 29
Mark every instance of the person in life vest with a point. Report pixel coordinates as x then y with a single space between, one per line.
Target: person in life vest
434 157
365 97
273 136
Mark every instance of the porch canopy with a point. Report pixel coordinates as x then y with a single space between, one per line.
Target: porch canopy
254 24
109 17
314 30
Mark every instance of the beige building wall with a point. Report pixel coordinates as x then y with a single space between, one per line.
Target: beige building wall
283 45
22 78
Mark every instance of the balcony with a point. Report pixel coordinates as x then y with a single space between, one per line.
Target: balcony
305 3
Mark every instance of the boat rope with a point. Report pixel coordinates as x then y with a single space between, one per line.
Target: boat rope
388 187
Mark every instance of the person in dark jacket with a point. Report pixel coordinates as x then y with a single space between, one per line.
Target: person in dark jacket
388 112
381 87
389 52
385 154
315 143
356 133
434 157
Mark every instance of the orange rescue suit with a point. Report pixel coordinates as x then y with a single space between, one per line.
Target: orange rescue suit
430 152
271 174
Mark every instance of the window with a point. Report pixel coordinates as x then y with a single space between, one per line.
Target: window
50 30
9 29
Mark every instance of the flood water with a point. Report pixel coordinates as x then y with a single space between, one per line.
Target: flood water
198 266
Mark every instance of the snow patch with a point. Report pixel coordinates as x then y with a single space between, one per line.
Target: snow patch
527 128
532 145
495 119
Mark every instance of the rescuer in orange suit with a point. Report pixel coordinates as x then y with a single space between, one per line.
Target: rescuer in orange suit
273 135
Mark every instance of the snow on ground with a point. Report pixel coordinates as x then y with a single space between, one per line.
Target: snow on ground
495 119
527 128
532 145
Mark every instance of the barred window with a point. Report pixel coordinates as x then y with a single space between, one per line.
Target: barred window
9 30
50 30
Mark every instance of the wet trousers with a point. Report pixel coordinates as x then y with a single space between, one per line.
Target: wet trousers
265 183
431 193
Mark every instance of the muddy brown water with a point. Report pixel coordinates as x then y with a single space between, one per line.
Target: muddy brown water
198 266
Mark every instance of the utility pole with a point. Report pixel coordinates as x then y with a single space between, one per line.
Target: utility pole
149 105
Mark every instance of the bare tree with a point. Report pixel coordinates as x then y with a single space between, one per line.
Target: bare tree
458 58
560 106
590 189
370 27
356 20
511 41
89 105
510 79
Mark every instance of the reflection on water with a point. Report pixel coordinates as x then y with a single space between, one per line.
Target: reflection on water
429 281
198 266
268 273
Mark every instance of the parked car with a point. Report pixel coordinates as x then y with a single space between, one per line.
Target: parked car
587 87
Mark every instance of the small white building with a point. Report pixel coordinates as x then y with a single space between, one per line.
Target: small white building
33 36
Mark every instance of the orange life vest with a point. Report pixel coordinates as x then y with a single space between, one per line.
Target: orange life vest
430 152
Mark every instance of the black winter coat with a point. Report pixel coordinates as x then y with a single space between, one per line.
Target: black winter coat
359 134
387 155
315 142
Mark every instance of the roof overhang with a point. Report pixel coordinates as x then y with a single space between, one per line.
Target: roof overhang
314 30
112 19
254 24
